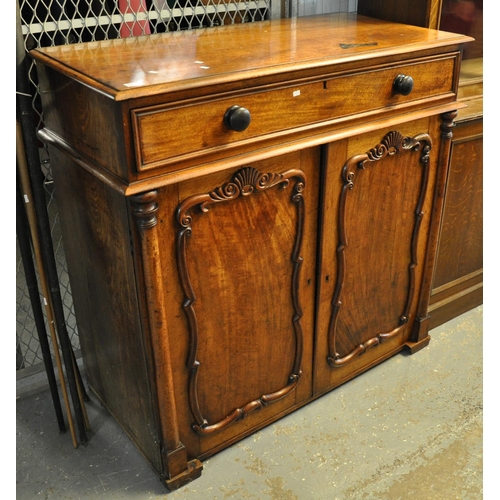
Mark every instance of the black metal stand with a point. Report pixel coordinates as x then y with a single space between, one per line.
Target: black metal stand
24 239
25 118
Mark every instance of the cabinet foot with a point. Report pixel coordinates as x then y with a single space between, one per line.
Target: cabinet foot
193 471
414 347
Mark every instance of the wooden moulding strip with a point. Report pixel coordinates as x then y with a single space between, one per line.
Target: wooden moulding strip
473 276
452 298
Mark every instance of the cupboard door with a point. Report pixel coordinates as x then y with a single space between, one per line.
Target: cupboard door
239 253
377 204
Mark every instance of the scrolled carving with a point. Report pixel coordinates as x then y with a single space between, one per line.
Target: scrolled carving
249 179
392 143
243 183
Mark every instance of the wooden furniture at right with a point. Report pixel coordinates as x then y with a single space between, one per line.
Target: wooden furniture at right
458 276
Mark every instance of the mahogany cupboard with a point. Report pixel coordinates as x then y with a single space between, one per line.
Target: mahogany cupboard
246 232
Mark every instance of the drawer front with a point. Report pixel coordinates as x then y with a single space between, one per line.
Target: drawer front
167 134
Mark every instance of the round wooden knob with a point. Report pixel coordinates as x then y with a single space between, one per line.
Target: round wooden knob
403 84
237 118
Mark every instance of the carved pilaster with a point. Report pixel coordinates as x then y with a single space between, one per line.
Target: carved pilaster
144 209
177 469
421 325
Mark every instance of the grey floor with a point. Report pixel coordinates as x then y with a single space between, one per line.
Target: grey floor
410 428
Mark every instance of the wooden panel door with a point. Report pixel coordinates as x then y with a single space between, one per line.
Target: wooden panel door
238 256
377 208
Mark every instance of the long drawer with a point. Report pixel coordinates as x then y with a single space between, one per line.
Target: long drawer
166 134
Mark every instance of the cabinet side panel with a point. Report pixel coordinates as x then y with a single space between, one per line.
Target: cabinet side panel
95 229
87 120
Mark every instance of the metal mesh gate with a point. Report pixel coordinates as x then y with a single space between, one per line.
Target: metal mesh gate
58 22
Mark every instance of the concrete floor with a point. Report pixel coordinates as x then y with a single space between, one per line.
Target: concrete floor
410 428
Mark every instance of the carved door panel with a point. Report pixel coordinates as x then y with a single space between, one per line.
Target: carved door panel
377 203
240 294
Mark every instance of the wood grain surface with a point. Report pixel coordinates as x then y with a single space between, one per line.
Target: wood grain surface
152 64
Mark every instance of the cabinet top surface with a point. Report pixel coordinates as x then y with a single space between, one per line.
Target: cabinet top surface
153 64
